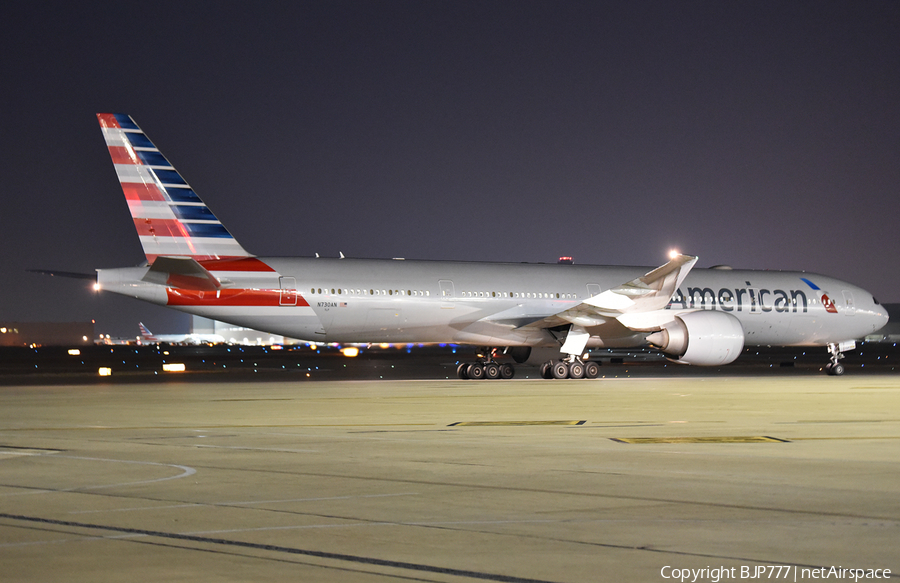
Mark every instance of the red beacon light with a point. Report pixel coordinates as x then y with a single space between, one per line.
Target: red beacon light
566 260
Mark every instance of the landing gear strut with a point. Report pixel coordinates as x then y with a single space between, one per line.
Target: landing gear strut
835 368
571 368
486 367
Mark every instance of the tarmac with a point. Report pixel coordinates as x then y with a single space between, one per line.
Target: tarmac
615 479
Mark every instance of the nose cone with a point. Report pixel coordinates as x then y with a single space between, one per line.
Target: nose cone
883 317
876 315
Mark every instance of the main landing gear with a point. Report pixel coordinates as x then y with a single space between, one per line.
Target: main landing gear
571 368
835 368
485 368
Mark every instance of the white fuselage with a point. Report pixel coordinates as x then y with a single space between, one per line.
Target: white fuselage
373 300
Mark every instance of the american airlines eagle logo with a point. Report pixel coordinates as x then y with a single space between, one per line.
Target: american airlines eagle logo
826 301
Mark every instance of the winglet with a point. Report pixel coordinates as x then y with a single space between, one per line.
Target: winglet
647 293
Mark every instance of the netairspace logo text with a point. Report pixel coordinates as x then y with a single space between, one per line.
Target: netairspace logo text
773 572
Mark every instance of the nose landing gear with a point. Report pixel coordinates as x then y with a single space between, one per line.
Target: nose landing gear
835 368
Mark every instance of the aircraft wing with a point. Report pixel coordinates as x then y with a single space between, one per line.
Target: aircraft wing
632 303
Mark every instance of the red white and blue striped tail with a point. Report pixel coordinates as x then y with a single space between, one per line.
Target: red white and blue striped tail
145 333
170 218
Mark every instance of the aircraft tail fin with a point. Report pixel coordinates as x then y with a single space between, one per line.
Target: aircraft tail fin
170 218
145 333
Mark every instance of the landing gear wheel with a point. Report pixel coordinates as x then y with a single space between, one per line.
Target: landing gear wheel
591 370
836 350
546 373
461 371
576 370
507 371
560 370
475 372
491 371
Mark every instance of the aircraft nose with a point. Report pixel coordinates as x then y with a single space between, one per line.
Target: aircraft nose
884 317
878 316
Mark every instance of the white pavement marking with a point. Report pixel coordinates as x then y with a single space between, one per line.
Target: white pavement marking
246 503
185 472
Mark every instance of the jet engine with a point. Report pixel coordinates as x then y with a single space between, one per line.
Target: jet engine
702 338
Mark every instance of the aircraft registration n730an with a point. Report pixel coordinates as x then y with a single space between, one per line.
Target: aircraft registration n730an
549 313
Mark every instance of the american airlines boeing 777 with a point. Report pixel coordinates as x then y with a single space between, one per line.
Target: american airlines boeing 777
550 312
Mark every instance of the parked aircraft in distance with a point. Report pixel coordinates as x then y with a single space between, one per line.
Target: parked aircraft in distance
550 313
149 338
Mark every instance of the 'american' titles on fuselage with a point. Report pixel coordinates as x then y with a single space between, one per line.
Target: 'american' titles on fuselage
740 300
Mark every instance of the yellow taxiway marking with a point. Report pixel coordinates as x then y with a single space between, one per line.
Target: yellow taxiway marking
721 439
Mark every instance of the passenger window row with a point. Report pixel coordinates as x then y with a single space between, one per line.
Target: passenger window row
369 292
426 293
533 295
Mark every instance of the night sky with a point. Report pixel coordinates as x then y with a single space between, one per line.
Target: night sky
755 134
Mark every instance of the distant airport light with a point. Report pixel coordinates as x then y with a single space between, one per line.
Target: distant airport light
74 352
174 367
104 371
350 351
566 260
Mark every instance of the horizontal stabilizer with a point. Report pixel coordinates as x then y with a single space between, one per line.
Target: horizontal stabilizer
182 273
72 274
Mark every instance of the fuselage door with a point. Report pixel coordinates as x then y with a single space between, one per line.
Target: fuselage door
593 289
849 306
446 289
447 293
288 291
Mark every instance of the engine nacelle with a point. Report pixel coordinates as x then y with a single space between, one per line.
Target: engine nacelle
703 338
